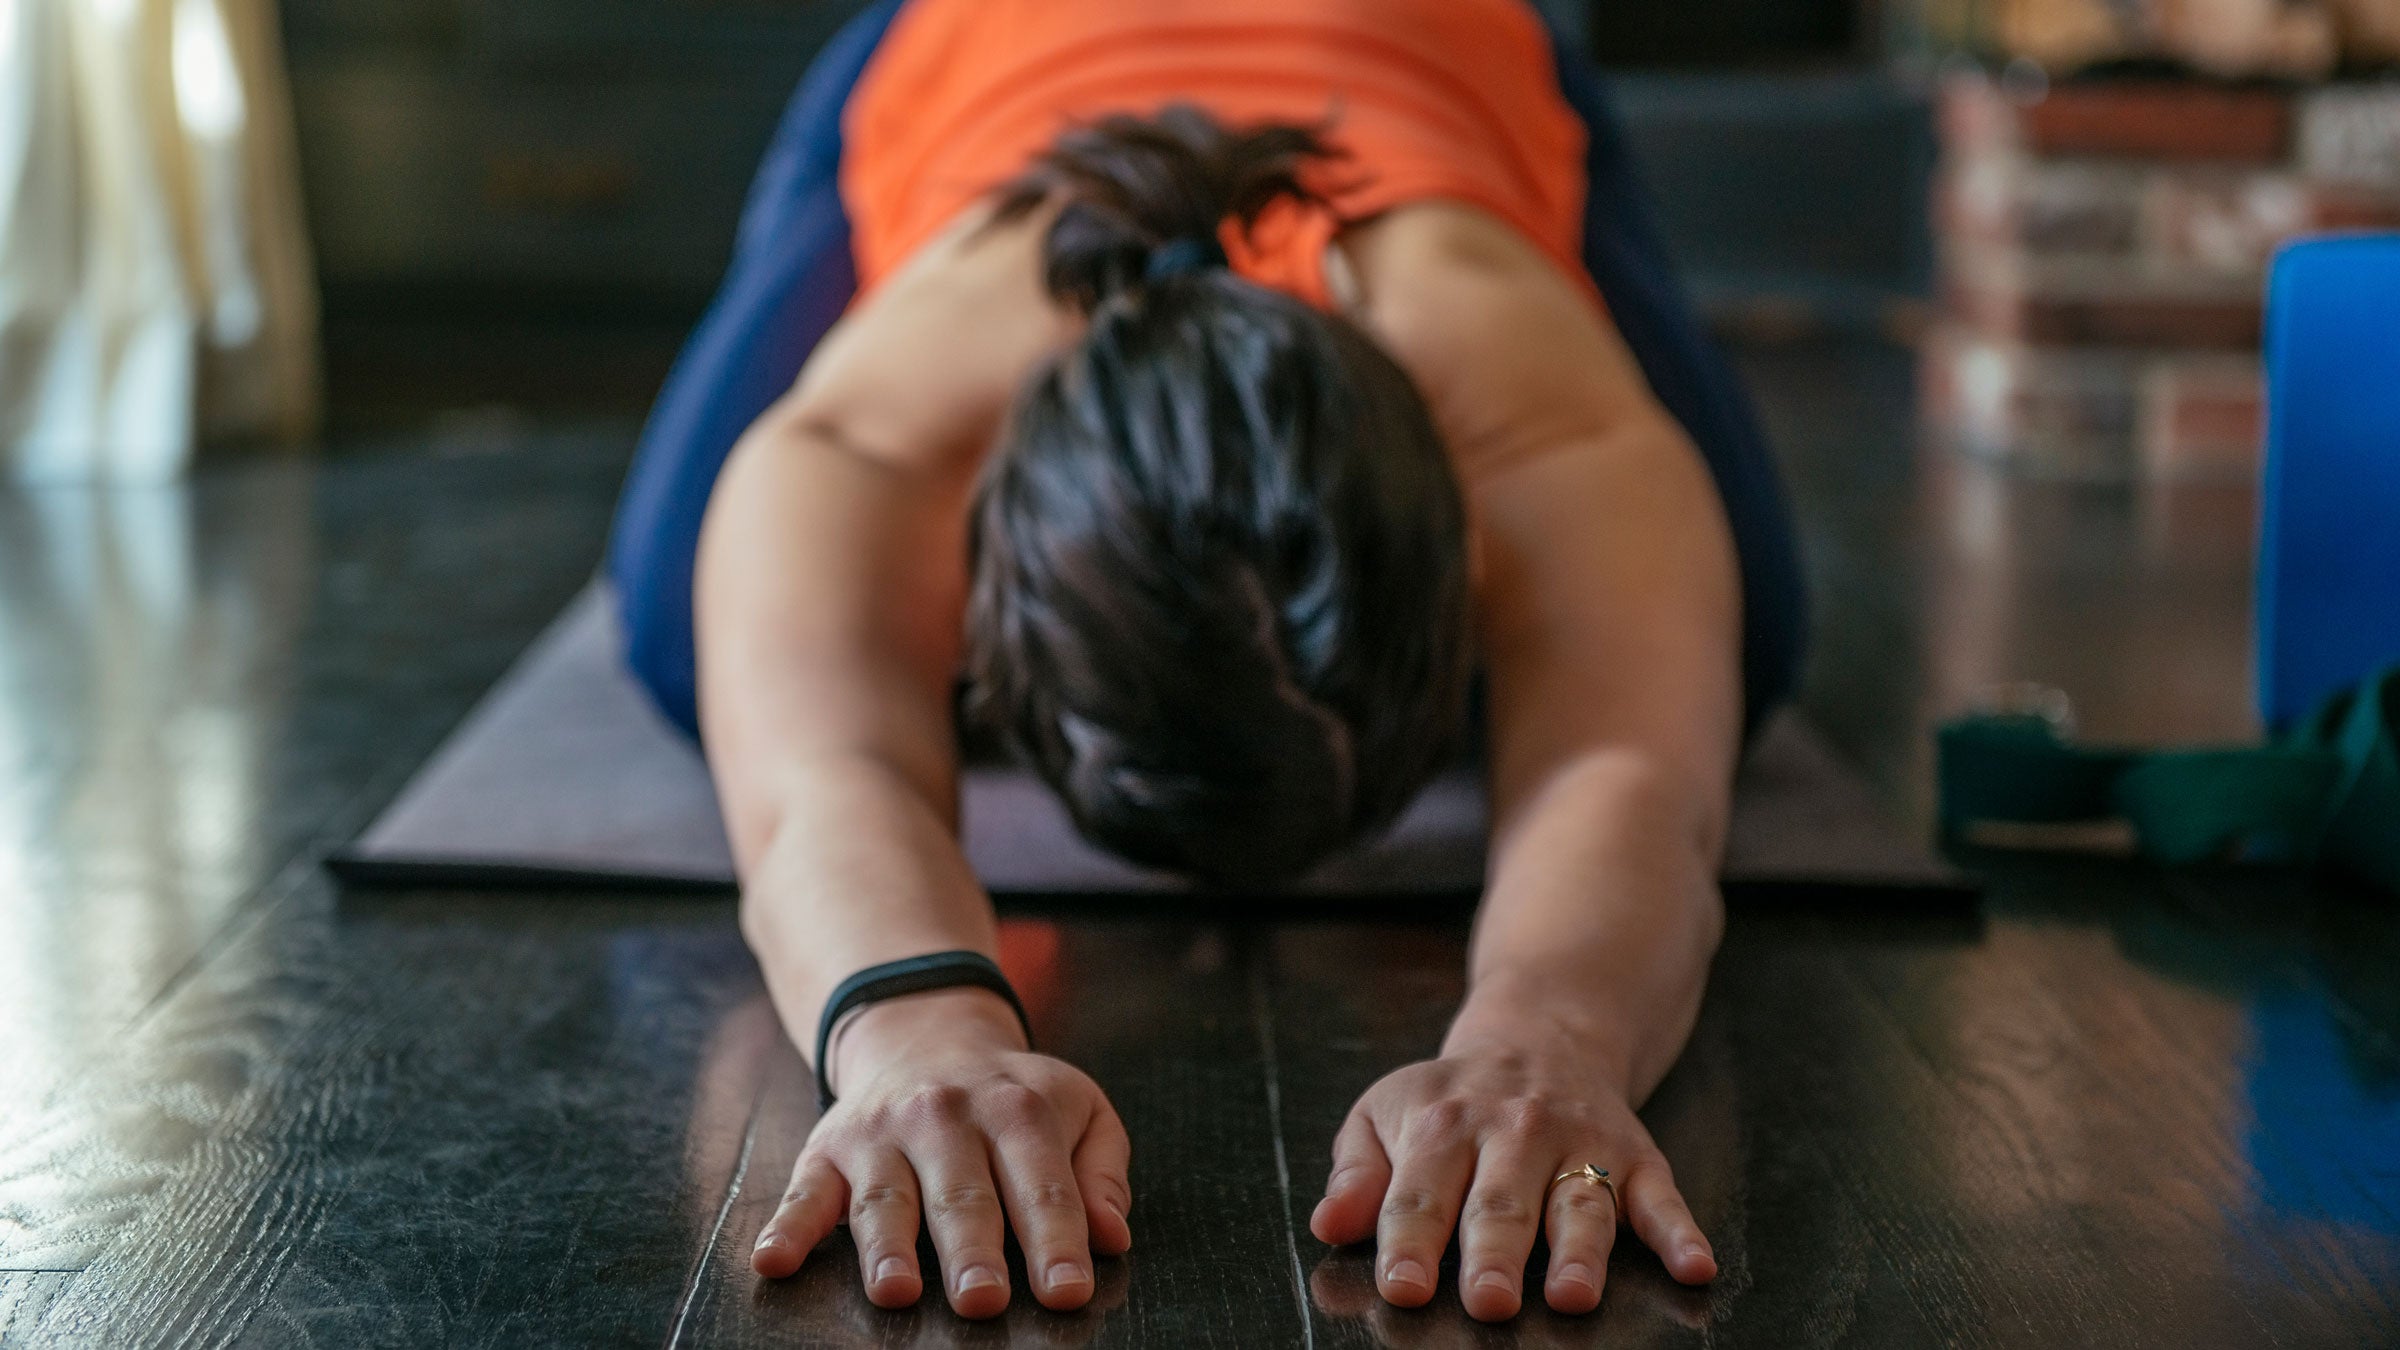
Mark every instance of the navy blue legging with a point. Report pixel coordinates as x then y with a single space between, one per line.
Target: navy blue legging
792 276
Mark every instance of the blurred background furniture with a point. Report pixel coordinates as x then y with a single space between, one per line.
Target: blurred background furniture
2104 250
2232 39
2066 204
526 203
533 198
2107 204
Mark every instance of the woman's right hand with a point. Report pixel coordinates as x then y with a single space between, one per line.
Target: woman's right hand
944 1112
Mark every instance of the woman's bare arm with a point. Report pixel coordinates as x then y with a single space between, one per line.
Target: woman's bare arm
830 587
830 583
1610 613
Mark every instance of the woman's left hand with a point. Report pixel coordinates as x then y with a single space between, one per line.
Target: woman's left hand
1470 1142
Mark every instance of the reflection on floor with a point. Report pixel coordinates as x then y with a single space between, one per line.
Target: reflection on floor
1938 578
2108 1108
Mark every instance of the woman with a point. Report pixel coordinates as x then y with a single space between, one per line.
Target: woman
1216 383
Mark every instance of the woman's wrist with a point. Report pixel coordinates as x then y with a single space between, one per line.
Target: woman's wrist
1548 1014
1616 989
961 1018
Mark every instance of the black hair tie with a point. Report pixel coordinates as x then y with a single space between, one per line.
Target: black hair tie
909 975
1182 256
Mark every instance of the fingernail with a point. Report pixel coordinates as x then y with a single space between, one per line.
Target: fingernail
890 1268
1573 1275
977 1277
1695 1249
1405 1271
1067 1272
1492 1279
769 1239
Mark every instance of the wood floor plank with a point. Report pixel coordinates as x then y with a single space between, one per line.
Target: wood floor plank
2021 1138
196 685
407 1123
2113 1108
2047 1136
25 1295
1160 1013
1955 1171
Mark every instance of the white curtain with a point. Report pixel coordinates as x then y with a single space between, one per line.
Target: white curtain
156 290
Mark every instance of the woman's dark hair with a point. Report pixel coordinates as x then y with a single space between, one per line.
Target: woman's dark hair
1220 596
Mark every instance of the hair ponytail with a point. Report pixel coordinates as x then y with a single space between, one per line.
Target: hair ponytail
1133 186
1219 594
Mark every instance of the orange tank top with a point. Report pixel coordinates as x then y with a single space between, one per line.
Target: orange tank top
1449 99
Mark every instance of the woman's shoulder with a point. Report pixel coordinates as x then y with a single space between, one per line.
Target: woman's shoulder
922 368
1512 353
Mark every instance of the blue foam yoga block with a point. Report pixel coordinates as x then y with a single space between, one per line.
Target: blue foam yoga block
2329 530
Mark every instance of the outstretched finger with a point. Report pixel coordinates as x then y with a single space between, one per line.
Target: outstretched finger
1037 1187
1362 1171
1103 1161
1420 1208
883 1224
812 1204
1655 1207
1497 1226
962 1207
1581 1219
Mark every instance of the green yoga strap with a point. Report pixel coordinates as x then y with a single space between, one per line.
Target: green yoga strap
2326 793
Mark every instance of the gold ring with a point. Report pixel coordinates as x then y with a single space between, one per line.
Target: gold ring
1597 1176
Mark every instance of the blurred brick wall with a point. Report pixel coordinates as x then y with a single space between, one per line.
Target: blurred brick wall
2103 248
2288 39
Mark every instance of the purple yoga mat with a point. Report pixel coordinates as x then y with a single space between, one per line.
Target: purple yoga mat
564 775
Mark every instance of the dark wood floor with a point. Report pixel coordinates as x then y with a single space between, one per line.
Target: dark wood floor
2107 1107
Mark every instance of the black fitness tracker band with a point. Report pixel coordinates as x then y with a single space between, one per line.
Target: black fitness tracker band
909 975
